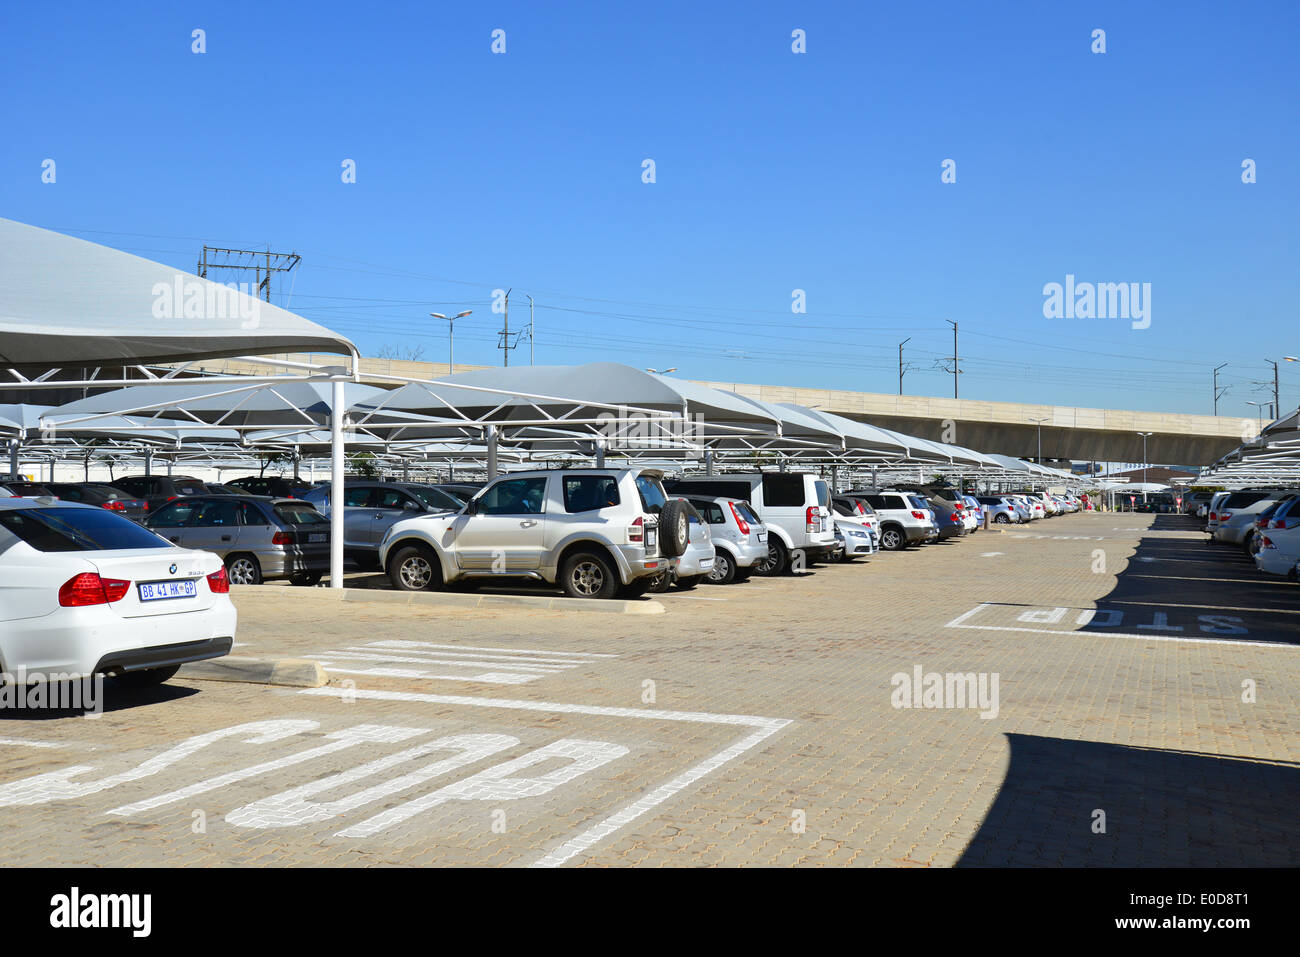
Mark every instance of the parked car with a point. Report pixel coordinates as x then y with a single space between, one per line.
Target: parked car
739 537
795 507
84 591
30 489
1224 504
105 496
275 486
1240 522
371 508
595 532
857 539
860 511
1002 510
947 516
1192 501
216 488
694 563
158 489
1264 520
1279 551
904 519
257 538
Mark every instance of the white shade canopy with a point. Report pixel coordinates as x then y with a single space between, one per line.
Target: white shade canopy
68 302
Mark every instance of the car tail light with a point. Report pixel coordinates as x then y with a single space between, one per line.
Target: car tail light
283 538
810 518
920 515
146 506
1224 516
1266 542
740 522
113 505
636 531
89 589
1279 523
218 583
861 510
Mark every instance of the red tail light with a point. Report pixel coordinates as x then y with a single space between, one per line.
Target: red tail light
1213 517
861 510
810 518
740 522
1266 542
114 505
1279 523
89 589
920 515
218 583
636 531
283 538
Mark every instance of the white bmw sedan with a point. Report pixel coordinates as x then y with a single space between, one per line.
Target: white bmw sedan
84 591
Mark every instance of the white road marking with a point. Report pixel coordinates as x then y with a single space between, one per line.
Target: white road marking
30 744
959 622
764 728
990 555
389 658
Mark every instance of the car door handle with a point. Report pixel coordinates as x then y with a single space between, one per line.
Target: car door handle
527 523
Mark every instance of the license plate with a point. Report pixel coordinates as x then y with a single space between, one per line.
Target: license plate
706 563
762 536
158 591
315 537
651 537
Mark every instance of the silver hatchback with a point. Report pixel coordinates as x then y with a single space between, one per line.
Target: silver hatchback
739 537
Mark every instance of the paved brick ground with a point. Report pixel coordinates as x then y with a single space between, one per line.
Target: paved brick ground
1120 644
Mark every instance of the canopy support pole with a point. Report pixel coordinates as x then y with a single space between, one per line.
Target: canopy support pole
148 461
491 452
13 456
708 462
600 453
337 410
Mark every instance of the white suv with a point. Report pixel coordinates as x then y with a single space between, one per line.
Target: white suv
904 519
795 507
598 533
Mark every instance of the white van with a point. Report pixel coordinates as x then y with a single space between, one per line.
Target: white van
795 507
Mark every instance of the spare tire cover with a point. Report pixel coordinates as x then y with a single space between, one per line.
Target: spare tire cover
674 527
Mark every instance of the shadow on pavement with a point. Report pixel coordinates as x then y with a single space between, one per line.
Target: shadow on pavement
1162 809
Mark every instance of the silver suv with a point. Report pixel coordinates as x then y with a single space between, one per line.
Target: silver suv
598 533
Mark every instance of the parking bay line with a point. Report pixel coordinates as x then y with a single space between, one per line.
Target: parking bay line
764 728
959 622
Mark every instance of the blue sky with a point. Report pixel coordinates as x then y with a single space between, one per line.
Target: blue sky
775 172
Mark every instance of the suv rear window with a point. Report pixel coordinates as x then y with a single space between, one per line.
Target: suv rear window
1242 499
76 530
781 490
586 493
299 515
652 494
823 493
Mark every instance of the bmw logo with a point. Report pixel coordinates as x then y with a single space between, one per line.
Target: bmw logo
173 568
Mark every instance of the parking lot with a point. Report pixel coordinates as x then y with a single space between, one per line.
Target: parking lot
1139 704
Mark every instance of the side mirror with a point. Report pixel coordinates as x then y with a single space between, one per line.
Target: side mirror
413 507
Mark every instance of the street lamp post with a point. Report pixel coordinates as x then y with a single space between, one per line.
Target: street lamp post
1039 423
451 336
1144 463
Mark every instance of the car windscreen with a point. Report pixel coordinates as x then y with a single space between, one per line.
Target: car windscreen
76 530
191 487
300 515
652 494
